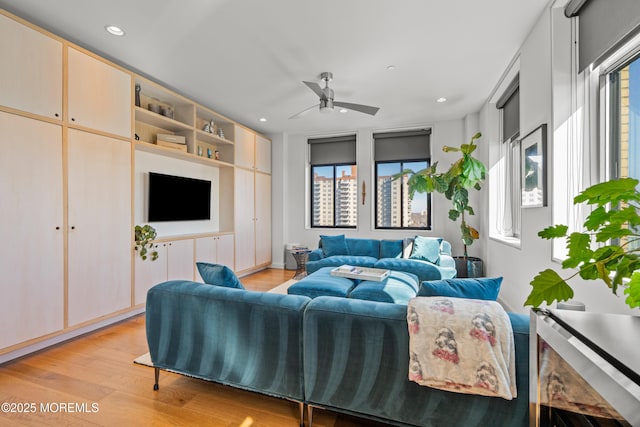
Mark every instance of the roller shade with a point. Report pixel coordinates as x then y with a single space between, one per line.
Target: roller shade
604 26
509 103
333 150
406 145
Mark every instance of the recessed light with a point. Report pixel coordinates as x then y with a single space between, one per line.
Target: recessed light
441 100
391 67
343 110
262 119
114 30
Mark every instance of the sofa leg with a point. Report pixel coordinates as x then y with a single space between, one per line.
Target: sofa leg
157 376
310 415
301 407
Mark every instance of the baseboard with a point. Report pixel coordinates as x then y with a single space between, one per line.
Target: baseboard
278 265
40 345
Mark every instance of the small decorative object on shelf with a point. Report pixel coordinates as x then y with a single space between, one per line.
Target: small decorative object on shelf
154 107
206 128
217 155
212 127
138 89
199 150
220 133
167 112
209 152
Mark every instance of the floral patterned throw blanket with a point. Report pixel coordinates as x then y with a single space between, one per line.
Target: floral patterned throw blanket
461 345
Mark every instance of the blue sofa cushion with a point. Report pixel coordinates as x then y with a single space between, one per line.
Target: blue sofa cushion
423 269
338 260
391 248
398 288
484 288
322 283
219 275
334 245
364 247
426 249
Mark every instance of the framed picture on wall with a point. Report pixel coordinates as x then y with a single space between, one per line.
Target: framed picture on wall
533 167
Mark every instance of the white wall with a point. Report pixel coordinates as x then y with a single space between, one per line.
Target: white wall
291 179
518 266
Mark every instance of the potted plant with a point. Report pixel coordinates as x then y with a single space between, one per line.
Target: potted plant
466 173
144 236
607 250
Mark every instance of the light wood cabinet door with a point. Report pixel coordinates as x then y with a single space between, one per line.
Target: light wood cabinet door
31 71
31 253
245 220
99 94
263 218
149 273
263 154
245 147
180 260
99 171
225 251
206 251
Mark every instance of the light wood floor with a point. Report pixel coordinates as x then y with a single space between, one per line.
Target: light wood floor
95 375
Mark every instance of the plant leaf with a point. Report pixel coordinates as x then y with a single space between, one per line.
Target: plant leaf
613 191
554 231
596 219
548 286
633 291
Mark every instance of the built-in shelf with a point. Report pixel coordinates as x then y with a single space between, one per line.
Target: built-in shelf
179 154
211 138
160 121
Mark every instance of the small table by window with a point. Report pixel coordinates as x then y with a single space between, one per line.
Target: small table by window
300 255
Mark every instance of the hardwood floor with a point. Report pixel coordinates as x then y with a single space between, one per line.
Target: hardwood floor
93 381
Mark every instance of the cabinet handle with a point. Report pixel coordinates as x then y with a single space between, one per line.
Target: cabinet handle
73 227
57 115
58 228
73 119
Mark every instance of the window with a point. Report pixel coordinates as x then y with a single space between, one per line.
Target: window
334 182
393 153
624 121
508 215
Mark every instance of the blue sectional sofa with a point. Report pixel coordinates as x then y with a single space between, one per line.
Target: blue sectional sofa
385 254
343 354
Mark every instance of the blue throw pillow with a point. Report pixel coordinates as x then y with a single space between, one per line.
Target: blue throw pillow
334 245
484 288
219 275
426 249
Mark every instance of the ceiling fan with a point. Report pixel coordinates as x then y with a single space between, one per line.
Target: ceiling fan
326 99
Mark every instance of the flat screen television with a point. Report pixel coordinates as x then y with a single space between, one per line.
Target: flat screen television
177 198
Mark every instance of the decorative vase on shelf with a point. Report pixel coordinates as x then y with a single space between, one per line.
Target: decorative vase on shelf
220 133
138 89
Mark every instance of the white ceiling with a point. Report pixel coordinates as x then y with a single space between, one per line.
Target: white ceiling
247 59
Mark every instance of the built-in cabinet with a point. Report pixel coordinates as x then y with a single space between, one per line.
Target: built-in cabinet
33 229
99 94
99 218
71 126
253 200
33 81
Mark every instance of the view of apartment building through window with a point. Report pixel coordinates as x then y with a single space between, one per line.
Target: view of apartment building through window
335 196
394 208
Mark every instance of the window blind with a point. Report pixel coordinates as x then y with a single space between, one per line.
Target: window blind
604 26
404 145
334 150
509 103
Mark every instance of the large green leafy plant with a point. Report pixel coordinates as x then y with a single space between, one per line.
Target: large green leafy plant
466 173
614 219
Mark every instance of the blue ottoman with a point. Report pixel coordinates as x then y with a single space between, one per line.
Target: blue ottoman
398 288
322 283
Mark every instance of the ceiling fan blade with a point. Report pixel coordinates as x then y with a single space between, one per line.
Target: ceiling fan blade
303 112
316 88
367 109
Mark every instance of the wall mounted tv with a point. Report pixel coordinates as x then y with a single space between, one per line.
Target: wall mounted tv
177 198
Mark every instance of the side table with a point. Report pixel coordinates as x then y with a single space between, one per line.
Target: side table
300 255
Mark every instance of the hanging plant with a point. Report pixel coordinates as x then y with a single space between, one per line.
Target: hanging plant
144 236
